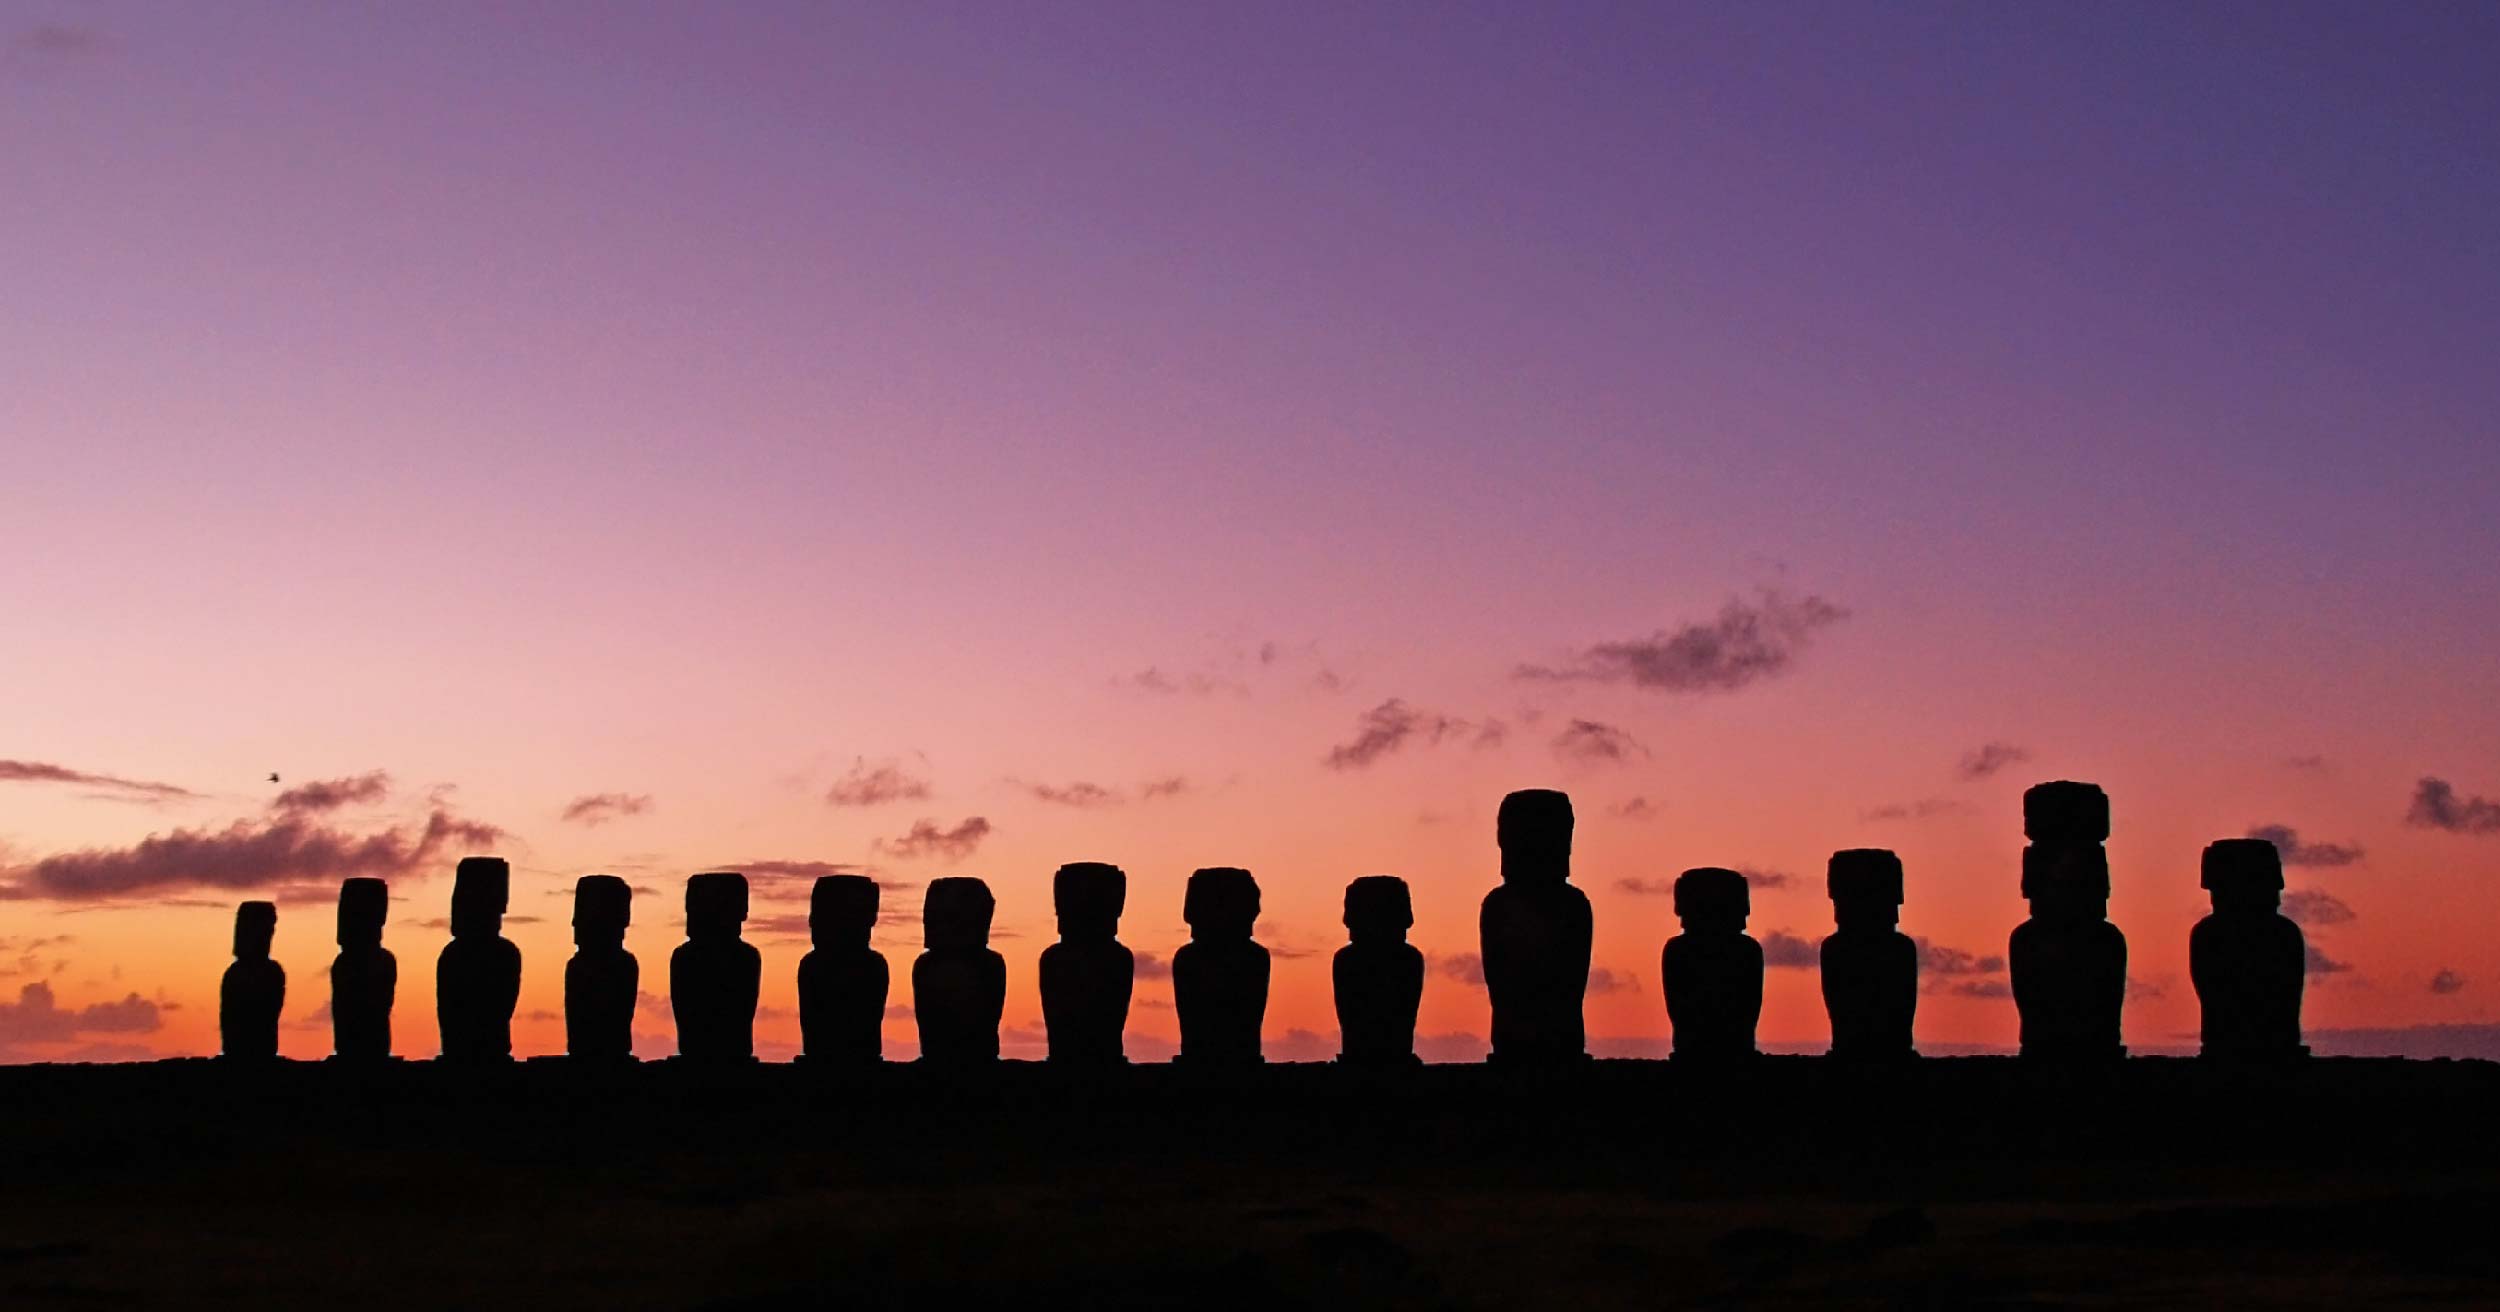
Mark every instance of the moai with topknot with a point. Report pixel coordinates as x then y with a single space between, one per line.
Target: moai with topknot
2068 964
1713 970
842 980
477 980
603 979
253 991
1379 976
1869 967
1219 977
2249 961
1087 976
1536 932
714 975
958 986
364 978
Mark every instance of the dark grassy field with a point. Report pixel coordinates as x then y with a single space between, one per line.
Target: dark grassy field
1795 1182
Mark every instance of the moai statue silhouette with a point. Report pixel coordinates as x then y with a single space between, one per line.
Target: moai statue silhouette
842 980
1379 976
364 978
1087 976
1870 968
478 978
1713 970
254 988
958 986
1536 932
2067 962
2248 960
1219 977
713 976
603 979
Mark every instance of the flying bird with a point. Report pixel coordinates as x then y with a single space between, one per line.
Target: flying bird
273 778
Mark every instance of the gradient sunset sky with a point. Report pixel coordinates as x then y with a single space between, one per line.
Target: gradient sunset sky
959 439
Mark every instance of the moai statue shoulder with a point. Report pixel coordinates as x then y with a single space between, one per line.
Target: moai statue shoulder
1713 970
364 978
714 976
2249 961
842 980
1537 934
1869 967
1379 976
602 980
1219 978
959 986
1087 976
2067 963
253 991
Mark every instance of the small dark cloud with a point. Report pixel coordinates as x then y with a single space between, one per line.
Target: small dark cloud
1592 742
37 1017
1923 809
599 808
1762 879
1782 950
1984 988
62 41
2318 963
1150 966
1636 808
2316 906
1465 967
1152 679
1937 959
444 922
1660 886
323 796
1079 794
1989 759
44 772
927 838
876 785
1746 642
898 1011
1388 728
1168 786
2145 990
2437 806
2297 853
1603 980
2446 982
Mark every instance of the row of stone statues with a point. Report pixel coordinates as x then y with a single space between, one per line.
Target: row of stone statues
2068 964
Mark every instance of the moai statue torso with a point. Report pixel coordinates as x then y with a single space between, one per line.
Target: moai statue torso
364 979
958 986
1713 970
1087 976
477 980
2068 964
1869 967
602 979
253 991
713 976
1379 976
1536 932
1219 977
2249 961
842 980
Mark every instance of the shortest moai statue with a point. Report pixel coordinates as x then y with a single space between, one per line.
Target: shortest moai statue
477 980
1219 977
958 985
842 980
253 991
714 975
2067 963
2248 960
1713 970
1087 976
364 978
1869 967
602 979
1379 976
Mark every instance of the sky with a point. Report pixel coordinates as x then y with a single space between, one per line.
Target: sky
948 439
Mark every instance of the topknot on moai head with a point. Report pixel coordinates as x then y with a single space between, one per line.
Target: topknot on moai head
956 913
364 903
2064 811
1533 828
1221 902
716 903
602 902
2243 872
1089 897
481 887
1379 904
2066 878
1868 876
840 906
1710 895
255 927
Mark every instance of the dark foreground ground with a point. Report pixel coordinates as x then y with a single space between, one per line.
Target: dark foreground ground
1949 1183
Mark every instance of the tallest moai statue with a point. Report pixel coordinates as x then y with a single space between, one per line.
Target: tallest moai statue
1536 931
2068 963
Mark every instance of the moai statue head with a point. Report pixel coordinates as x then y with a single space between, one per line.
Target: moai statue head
603 905
2065 812
1378 909
1089 896
716 905
364 903
481 887
2243 874
955 916
2066 883
841 911
1221 902
1711 900
255 926
1865 887
1534 829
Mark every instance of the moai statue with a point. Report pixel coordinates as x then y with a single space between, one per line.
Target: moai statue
603 979
713 976
1870 968
254 988
1713 970
842 980
1536 932
2249 961
364 979
1219 977
1378 974
478 978
958 986
1087 976
2068 963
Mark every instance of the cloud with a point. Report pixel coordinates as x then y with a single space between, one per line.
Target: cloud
876 785
1636 808
599 808
807 870
1923 809
1150 966
1465 967
1658 887
2316 906
1746 642
2319 963
1782 950
1603 981
61 41
1937 959
2297 853
925 838
1759 879
1168 786
138 790
1153 680
289 848
1389 727
2446 982
1988 759
1590 742
2418 1042
36 1017
325 795
2437 806
1080 794
1986 988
